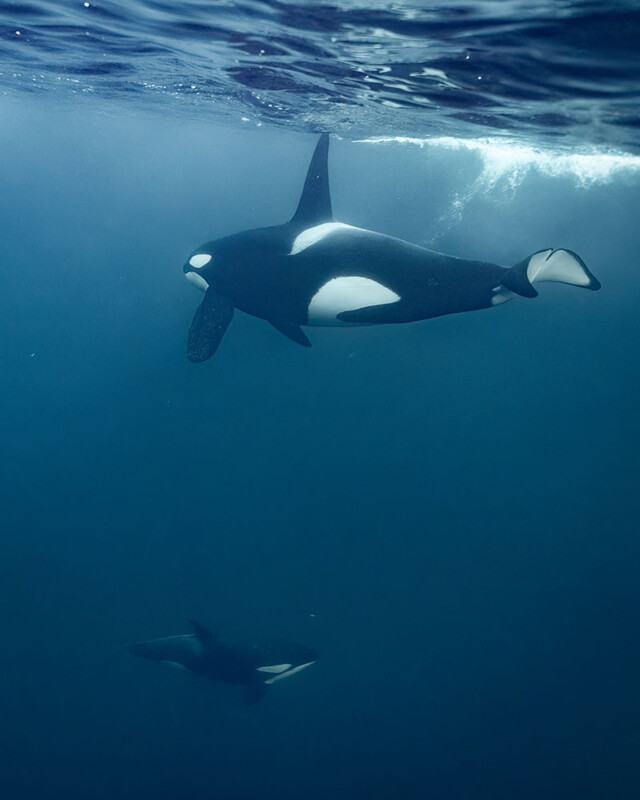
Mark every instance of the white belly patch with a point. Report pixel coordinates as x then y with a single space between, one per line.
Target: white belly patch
289 672
348 293
275 668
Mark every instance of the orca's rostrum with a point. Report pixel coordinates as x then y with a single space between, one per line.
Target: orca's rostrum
314 271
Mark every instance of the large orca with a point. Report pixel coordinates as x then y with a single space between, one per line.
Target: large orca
252 665
313 270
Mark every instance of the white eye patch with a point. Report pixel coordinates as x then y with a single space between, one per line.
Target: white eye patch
199 260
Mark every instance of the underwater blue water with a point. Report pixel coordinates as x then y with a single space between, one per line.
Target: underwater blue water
448 510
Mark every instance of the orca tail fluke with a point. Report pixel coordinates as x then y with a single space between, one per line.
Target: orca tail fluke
561 266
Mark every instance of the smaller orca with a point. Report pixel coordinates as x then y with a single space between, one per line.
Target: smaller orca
252 665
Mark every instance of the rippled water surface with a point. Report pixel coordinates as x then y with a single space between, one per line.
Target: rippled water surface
554 71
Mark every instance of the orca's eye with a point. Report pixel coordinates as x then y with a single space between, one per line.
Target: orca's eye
199 260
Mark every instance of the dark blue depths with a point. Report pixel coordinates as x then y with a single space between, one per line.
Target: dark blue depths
448 511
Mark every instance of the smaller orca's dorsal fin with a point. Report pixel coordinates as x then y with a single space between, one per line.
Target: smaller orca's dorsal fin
202 633
315 202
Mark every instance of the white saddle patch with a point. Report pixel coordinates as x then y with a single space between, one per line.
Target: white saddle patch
197 280
275 668
348 293
289 672
314 235
200 260
557 265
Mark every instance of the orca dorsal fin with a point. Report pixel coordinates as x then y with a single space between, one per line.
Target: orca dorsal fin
315 202
202 633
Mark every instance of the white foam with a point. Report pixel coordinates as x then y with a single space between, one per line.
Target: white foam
347 293
510 160
314 235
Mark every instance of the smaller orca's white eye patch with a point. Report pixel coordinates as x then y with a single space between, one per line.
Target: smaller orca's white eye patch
199 260
275 668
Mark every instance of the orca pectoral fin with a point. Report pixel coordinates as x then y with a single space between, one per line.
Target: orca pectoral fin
209 324
293 332
255 692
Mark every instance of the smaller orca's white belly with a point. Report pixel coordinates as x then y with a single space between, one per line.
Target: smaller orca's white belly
347 293
281 671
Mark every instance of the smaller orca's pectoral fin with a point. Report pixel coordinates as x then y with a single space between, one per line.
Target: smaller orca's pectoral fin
209 324
255 692
293 332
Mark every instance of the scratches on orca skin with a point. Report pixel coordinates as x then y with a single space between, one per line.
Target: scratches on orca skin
312 236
